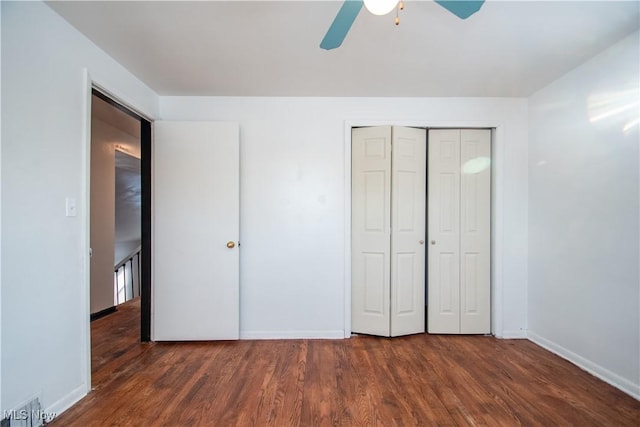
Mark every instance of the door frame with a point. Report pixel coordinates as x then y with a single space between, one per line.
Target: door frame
146 121
497 213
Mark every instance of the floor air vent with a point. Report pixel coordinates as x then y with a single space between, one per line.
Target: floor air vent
29 415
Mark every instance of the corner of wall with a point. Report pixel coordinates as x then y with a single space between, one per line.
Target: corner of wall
67 401
632 389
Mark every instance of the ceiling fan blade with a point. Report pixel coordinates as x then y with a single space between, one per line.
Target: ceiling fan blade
341 24
461 8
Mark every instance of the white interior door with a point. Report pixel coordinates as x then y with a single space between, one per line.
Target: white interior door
371 238
444 231
459 231
195 215
408 197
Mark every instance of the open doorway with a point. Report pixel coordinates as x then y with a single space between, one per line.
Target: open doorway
120 212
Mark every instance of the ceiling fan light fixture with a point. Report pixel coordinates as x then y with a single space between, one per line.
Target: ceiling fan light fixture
380 7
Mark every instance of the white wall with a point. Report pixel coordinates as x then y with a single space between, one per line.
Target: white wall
128 206
45 304
584 285
103 215
110 212
293 210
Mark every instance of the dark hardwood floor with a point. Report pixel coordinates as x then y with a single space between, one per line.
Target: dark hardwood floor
427 380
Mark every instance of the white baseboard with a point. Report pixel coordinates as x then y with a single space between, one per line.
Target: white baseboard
511 335
604 374
290 335
67 401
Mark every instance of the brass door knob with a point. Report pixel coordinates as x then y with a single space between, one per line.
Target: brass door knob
231 245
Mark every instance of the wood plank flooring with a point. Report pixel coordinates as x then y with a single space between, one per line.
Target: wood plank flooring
426 380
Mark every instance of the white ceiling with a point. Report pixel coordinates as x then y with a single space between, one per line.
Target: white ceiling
271 48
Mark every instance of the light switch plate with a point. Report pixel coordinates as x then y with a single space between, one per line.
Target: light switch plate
70 206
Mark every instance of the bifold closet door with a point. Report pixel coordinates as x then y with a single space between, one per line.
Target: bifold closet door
459 231
195 231
388 229
408 198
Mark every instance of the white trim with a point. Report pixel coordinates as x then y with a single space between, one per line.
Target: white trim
85 241
290 335
497 206
346 333
497 230
67 401
1 405
120 100
513 335
593 368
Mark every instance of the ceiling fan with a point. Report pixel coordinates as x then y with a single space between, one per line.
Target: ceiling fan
350 9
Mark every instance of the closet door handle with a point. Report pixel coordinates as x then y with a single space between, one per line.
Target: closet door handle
433 242
421 242
231 245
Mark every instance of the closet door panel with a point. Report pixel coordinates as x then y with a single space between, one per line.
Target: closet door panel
444 231
370 243
475 223
408 200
